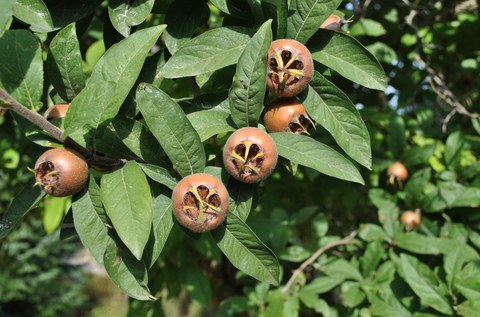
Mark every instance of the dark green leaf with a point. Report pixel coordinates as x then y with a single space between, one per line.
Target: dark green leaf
139 140
246 252
126 196
246 96
425 284
21 67
208 123
311 153
125 14
183 18
308 16
396 135
129 274
453 146
87 212
161 227
159 174
26 200
35 13
64 63
332 109
367 27
169 124
119 69
6 12
348 57
207 52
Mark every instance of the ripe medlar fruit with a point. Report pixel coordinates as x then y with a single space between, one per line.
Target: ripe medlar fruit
287 115
250 155
397 173
289 67
200 202
56 111
61 172
411 219
333 22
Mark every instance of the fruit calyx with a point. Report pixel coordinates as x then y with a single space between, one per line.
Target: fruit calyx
248 158
200 202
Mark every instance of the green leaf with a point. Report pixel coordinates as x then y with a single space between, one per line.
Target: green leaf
468 309
467 281
183 18
371 232
373 254
352 294
332 109
415 187
118 69
125 14
348 57
417 243
241 198
453 147
6 13
126 196
207 52
246 252
208 123
129 274
388 211
139 140
21 67
169 124
64 63
234 10
367 27
396 135
278 11
342 269
294 253
247 94
161 227
55 209
308 16
89 219
306 151
159 174
26 200
425 284
35 13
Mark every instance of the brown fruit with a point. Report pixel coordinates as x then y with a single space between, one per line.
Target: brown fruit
411 219
250 155
333 22
286 115
200 202
397 172
61 172
290 67
56 111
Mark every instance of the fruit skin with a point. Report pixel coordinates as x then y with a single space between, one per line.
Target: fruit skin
61 172
397 172
292 61
286 115
250 155
333 22
201 184
56 111
411 219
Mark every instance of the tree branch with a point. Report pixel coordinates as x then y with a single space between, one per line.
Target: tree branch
9 103
315 256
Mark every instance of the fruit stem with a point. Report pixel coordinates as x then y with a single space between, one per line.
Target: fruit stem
347 240
9 102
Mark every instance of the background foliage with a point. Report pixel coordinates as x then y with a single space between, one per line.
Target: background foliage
427 118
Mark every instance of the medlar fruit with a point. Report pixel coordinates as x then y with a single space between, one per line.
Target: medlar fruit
250 155
411 219
289 67
56 111
200 202
397 172
333 22
61 172
287 115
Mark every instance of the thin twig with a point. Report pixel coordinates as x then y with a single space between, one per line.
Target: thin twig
315 256
8 102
